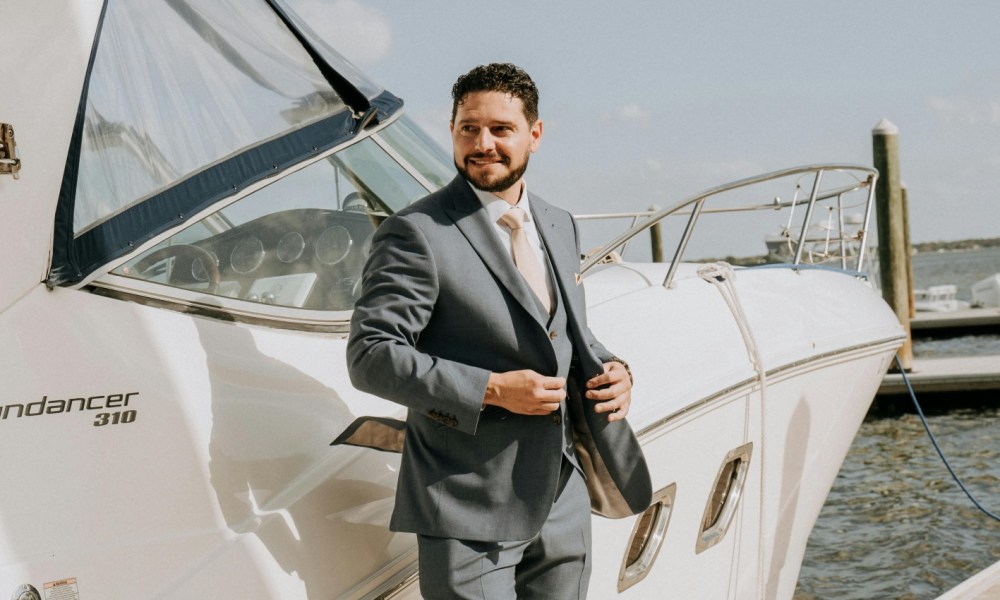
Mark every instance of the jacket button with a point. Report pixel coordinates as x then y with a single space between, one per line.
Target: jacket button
553 335
557 419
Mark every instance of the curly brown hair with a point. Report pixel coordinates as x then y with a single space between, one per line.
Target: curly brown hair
498 77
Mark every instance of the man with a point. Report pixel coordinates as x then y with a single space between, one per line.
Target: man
473 316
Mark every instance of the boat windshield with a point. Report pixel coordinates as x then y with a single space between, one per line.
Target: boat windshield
301 241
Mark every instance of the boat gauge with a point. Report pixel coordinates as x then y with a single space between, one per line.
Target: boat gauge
290 247
200 269
247 255
333 245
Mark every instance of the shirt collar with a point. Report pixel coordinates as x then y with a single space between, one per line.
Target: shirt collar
496 206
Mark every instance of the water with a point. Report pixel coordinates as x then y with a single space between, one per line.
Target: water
959 268
895 524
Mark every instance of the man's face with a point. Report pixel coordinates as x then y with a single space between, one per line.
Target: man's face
493 140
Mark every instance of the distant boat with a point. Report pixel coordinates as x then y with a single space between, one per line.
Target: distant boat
938 298
827 242
986 292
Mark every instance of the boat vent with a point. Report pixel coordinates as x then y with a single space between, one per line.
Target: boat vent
647 537
725 497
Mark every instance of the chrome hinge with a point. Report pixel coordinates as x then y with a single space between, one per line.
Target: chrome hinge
10 164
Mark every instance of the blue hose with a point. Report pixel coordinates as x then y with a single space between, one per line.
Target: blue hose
923 419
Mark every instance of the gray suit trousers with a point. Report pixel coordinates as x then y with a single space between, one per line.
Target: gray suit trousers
552 565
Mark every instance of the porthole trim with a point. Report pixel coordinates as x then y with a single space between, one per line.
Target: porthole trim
647 538
724 497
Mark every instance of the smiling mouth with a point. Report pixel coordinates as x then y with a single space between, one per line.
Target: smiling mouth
486 159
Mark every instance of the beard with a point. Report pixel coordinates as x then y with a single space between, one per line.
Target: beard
496 184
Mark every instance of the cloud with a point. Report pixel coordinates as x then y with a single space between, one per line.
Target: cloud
631 112
362 34
626 112
969 110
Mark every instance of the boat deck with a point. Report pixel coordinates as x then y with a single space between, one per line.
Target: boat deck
984 585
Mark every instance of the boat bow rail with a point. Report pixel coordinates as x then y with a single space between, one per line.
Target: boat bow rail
749 324
853 188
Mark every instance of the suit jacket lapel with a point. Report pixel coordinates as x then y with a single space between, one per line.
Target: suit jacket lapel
470 218
562 256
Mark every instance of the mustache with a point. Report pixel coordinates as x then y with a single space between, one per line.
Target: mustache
487 155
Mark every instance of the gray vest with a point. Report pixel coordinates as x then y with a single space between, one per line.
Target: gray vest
563 347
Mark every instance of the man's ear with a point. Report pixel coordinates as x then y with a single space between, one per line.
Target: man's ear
536 135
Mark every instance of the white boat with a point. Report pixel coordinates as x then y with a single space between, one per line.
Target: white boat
986 292
834 238
189 187
938 298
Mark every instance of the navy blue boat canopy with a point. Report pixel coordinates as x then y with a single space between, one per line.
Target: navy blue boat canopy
186 102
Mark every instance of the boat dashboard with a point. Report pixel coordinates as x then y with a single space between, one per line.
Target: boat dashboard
303 258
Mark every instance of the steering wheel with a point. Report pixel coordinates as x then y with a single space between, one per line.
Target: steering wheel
183 252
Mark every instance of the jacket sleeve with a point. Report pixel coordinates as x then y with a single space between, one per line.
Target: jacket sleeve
399 291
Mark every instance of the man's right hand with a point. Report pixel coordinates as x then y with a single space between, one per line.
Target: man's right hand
525 392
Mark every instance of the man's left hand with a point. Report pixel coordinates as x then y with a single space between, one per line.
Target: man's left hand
612 390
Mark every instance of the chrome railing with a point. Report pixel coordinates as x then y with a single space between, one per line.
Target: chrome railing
856 179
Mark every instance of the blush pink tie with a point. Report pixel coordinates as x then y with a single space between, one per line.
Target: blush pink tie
524 257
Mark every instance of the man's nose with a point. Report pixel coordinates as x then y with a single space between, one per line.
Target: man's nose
484 141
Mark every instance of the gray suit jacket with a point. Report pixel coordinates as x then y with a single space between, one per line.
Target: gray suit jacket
442 307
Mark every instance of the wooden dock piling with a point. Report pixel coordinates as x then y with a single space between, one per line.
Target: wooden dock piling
892 250
656 237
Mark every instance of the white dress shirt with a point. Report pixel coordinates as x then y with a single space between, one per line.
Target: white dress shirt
496 207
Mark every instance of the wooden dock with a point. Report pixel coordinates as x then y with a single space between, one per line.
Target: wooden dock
950 374
984 585
959 322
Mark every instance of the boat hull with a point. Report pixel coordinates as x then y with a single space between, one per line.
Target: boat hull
793 385
187 456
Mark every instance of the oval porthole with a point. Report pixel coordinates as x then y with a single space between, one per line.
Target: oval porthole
647 538
725 497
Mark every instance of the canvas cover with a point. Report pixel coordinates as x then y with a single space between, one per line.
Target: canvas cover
186 102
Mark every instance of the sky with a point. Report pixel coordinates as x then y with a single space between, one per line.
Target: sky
648 102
